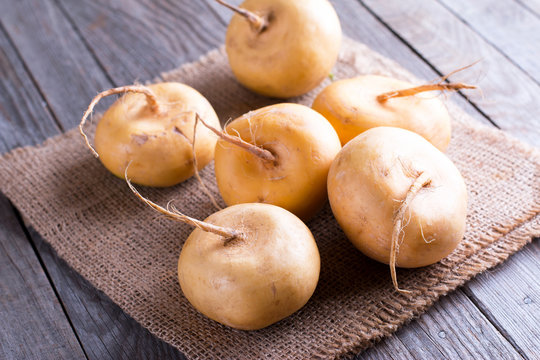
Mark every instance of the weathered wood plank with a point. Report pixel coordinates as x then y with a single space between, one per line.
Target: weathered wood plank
104 337
34 325
448 331
509 96
65 73
23 112
509 295
140 39
510 27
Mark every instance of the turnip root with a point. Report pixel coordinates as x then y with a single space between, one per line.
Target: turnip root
279 154
152 127
399 200
355 105
282 48
246 266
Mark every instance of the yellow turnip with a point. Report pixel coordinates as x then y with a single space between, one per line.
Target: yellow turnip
398 198
279 154
246 266
152 127
282 48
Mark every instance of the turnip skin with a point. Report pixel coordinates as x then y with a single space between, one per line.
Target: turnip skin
304 144
352 107
372 175
253 282
158 145
293 54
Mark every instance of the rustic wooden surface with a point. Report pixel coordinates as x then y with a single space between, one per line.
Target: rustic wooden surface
57 54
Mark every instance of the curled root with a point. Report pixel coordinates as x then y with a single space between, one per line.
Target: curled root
236 140
227 233
150 97
421 181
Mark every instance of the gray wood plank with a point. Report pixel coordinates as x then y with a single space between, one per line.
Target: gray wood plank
509 295
24 115
34 325
65 73
518 39
29 308
26 119
509 96
450 330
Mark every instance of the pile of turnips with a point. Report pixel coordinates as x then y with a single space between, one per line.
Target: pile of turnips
396 196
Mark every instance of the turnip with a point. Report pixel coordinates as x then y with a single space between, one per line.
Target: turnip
279 154
398 199
355 105
282 48
246 266
152 127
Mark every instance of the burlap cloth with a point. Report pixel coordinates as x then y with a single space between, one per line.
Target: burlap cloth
130 252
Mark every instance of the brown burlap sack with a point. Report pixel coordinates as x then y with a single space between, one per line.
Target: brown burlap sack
130 252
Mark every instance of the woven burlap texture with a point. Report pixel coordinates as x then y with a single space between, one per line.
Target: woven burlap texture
130 252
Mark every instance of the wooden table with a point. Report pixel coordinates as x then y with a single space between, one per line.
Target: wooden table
55 55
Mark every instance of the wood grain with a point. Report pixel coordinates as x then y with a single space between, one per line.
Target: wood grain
24 115
451 329
65 73
518 39
509 295
28 120
34 325
509 96
139 39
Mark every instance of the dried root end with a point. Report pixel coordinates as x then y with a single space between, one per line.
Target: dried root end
422 180
150 97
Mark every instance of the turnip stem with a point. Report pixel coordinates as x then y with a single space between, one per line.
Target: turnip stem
150 98
227 233
257 22
418 89
254 149
421 181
